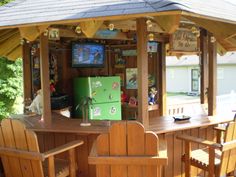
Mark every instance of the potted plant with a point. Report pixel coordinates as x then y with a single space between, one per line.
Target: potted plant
85 104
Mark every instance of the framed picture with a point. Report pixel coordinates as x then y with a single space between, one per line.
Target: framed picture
131 78
54 34
122 78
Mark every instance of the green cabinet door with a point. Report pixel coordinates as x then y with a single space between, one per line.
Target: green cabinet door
105 89
106 111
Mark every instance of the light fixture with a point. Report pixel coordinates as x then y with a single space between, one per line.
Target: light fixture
45 33
149 23
78 29
22 41
111 26
151 37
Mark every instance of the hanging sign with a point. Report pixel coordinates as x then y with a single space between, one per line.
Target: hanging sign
183 40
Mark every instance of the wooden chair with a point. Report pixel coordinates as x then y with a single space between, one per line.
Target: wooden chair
217 158
127 151
20 154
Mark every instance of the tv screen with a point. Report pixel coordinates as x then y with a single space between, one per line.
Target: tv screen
88 55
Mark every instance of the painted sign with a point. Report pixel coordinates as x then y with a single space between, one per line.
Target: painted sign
184 40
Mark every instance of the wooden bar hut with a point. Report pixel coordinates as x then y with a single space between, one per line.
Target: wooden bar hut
45 29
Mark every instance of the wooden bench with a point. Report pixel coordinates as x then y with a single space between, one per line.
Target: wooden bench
19 152
127 150
217 158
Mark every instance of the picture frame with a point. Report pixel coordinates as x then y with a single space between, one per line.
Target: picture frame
131 78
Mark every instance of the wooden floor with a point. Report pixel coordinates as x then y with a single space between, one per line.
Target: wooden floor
63 130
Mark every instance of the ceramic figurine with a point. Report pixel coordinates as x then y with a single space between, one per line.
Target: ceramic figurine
152 94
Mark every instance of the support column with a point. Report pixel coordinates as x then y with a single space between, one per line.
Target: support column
26 72
204 66
162 78
142 62
212 89
45 83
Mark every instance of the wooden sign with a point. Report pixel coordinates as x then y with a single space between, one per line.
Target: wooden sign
183 40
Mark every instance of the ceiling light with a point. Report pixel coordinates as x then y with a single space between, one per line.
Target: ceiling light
151 37
78 30
111 26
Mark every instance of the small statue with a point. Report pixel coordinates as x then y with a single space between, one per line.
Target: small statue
152 94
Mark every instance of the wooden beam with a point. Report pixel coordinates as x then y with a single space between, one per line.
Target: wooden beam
26 72
221 50
162 78
31 33
142 63
89 28
44 75
203 65
212 88
11 43
169 23
15 53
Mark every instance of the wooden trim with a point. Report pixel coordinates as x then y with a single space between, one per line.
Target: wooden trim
26 71
44 75
162 78
203 66
115 17
142 63
212 88
114 160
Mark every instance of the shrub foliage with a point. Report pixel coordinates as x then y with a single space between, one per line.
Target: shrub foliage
11 84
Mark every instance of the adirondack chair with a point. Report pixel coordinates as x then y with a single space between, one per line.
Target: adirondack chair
20 154
217 158
127 151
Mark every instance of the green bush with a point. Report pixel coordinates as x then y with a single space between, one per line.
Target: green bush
11 83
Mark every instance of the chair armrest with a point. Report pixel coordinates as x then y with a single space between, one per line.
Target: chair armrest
198 141
62 148
229 145
21 154
221 129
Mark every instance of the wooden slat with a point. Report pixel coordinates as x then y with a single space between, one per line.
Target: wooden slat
169 169
51 167
103 149
151 148
232 158
33 146
118 147
21 143
135 146
178 152
14 163
4 159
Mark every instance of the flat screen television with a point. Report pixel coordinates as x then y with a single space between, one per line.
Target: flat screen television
88 55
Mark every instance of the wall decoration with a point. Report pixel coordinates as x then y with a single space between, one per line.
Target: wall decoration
151 80
131 78
152 47
128 53
54 34
122 78
119 62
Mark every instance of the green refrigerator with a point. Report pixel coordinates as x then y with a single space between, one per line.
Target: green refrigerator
105 92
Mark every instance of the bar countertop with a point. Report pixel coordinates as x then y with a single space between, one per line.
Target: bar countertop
158 125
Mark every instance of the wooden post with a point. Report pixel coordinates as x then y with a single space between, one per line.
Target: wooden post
204 66
26 73
45 83
142 62
162 78
212 49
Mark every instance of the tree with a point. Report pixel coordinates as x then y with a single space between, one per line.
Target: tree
11 79
2 2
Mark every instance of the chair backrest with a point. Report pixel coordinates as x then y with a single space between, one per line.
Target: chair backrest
14 135
127 138
228 158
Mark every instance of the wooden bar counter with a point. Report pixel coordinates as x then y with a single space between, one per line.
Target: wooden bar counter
64 129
